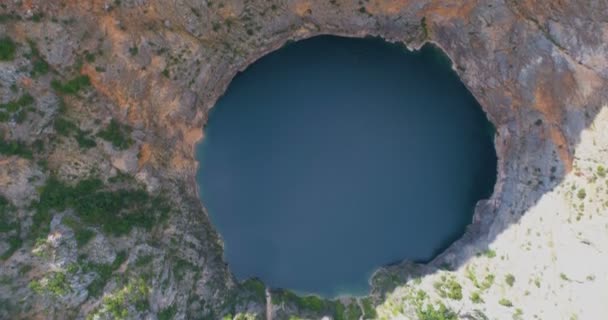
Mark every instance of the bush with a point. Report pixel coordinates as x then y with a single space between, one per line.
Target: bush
16 105
5 209
368 308
440 313
167 313
14 243
476 297
505 302
15 148
72 86
487 282
104 272
449 288
65 127
39 65
7 49
510 279
116 212
601 171
581 194
117 134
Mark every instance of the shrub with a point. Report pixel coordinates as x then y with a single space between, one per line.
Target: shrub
117 134
476 297
581 194
601 171
72 86
14 243
255 286
15 148
353 312
167 313
7 49
116 212
58 285
368 308
65 127
440 313
16 105
510 279
487 282
104 272
505 302
39 65
5 208
449 288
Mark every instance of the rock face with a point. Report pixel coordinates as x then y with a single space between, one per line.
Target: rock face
136 78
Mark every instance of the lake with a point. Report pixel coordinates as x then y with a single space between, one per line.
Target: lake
333 156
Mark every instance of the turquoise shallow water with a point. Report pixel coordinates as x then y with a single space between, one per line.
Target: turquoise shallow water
333 156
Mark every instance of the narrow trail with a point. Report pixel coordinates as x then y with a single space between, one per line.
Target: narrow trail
268 305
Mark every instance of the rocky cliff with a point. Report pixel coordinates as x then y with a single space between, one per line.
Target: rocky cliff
103 101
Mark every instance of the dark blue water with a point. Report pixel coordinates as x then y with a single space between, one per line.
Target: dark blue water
332 156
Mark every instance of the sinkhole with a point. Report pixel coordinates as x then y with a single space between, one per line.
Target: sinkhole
333 156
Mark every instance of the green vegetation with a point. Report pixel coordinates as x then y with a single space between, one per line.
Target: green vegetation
518 314
116 212
353 312
104 272
180 267
56 284
425 27
601 171
39 65
14 148
7 49
4 18
439 313
309 304
487 282
369 311
490 253
16 109
476 297
144 260
82 234
505 302
72 86
116 305
581 194
14 243
510 279
117 134
89 57
255 286
448 287
65 127
167 313
5 220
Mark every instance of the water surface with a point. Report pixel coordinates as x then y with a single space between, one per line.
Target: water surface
333 156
